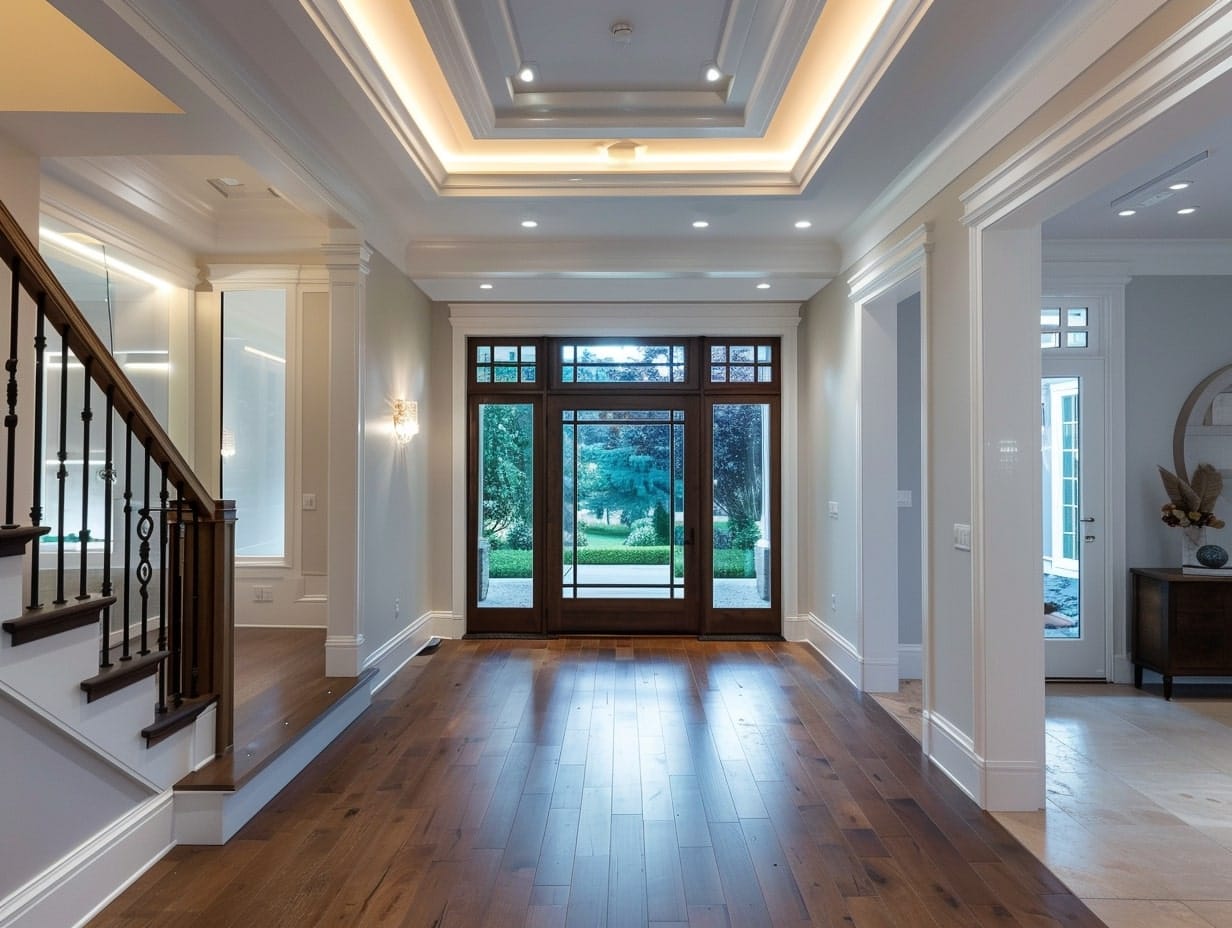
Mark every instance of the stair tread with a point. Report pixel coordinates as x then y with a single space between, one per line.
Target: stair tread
14 538
175 718
45 621
122 673
243 762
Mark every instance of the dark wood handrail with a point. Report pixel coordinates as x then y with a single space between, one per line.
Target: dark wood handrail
36 277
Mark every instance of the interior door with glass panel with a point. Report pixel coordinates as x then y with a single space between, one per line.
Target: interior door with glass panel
1072 446
622 514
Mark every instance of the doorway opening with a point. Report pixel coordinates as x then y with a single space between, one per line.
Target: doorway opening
623 486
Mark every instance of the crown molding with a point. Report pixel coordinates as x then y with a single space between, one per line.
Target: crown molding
1082 33
887 270
1115 260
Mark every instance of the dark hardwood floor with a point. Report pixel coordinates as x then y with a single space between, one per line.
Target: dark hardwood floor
612 782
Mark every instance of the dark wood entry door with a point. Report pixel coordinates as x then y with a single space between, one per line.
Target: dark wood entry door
629 462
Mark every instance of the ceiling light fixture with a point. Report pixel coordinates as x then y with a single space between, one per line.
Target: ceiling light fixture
803 224
621 32
700 224
712 73
485 286
1128 212
527 73
763 286
529 224
1158 188
1187 211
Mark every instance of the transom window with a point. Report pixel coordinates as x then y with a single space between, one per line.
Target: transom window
622 363
741 363
1065 327
506 363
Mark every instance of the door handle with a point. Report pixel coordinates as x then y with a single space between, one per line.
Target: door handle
1087 519
1088 538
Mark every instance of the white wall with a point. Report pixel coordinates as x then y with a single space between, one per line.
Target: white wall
1177 331
395 494
55 795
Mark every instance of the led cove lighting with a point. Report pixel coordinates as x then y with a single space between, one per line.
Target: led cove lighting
1128 212
1187 211
97 257
700 224
529 224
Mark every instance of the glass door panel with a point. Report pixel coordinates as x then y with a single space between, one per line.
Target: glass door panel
505 513
740 536
625 517
1062 525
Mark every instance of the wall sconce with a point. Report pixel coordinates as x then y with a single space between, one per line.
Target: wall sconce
406 420
227 449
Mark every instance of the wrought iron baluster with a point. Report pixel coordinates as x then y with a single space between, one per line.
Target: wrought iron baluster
195 623
177 602
107 474
36 504
145 528
86 416
10 420
62 473
162 591
125 647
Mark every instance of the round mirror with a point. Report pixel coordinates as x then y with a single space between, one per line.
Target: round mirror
1203 434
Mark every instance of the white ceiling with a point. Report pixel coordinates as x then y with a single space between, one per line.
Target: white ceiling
267 99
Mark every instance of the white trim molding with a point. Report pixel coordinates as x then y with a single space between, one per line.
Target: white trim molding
1115 261
836 650
77 887
394 654
683 319
342 655
953 752
911 662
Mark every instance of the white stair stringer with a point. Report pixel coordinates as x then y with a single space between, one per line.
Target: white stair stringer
45 676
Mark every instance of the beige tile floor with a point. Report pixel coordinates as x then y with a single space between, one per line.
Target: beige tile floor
1138 821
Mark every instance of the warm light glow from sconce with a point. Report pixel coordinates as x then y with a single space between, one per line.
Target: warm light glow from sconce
227 450
406 420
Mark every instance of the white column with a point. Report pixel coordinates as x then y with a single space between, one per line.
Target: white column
1008 643
346 259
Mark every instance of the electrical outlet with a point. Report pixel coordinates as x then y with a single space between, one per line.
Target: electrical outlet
309 502
832 509
904 499
397 607
262 594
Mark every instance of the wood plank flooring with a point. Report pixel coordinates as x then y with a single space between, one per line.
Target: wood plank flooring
612 782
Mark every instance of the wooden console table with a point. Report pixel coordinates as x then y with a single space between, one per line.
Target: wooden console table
1181 624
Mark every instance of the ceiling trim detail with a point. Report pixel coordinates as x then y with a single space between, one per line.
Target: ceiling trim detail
810 118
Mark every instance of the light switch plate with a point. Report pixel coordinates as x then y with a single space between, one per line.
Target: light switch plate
832 508
962 536
904 499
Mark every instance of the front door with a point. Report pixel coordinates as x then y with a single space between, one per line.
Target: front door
622 517
1072 417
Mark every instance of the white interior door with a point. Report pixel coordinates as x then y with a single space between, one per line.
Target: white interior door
1074 559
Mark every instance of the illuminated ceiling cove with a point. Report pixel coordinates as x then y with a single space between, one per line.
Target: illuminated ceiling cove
517 97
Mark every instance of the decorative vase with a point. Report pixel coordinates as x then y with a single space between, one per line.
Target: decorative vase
1193 537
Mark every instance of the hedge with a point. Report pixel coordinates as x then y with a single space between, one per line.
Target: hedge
512 563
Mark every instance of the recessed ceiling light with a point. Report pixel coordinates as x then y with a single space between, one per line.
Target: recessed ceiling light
526 73
485 286
713 73
529 224
700 224
803 224
1128 212
1187 210
763 286
1179 185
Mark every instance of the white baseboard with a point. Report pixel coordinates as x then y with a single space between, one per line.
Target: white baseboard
448 624
911 662
214 816
1122 669
796 627
837 650
342 655
954 754
867 675
1013 787
77 887
393 655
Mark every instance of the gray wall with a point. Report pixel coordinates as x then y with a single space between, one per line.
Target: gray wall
55 795
910 560
1177 331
